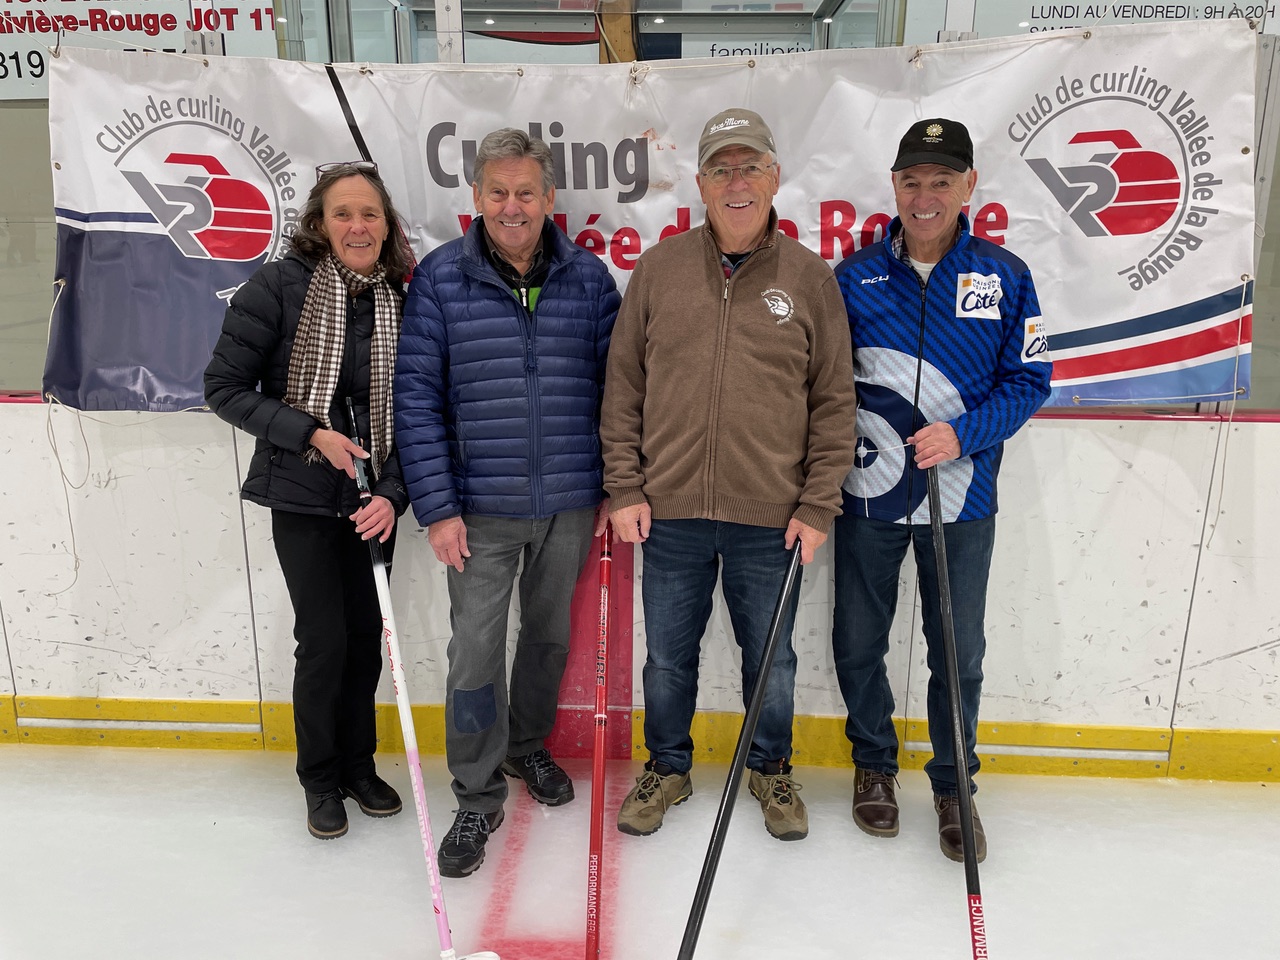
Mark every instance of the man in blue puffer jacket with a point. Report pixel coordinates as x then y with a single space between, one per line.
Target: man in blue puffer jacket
498 382
950 358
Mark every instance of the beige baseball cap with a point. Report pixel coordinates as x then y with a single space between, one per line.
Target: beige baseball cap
735 127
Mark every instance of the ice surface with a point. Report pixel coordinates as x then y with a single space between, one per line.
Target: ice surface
167 854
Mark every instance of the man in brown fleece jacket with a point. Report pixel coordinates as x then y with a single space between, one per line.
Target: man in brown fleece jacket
727 428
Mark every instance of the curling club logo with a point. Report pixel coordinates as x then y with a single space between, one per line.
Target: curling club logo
210 214
1122 189
1128 159
219 188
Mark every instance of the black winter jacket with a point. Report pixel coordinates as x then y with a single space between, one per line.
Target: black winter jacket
254 348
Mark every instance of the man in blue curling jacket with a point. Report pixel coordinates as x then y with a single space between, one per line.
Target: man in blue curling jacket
951 358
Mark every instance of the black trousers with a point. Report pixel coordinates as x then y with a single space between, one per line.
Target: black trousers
338 629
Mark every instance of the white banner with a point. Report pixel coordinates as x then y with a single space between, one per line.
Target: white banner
1117 162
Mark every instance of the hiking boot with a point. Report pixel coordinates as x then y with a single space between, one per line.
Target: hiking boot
875 808
784 814
657 789
462 850
547 783
376 797
326 816
948 810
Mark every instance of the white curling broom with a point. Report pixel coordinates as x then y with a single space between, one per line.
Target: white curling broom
406 722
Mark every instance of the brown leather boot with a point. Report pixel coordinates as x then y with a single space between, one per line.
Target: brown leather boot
875 808
948 809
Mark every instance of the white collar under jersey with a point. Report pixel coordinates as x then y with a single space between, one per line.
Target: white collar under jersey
924 269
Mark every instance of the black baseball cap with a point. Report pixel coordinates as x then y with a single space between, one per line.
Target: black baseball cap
941 141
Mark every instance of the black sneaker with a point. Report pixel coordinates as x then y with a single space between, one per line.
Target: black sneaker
326 816
376 797
462 850
547 783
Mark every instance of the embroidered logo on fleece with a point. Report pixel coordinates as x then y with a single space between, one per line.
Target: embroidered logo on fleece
779 303
978 295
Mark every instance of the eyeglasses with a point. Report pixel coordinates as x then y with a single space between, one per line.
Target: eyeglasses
751 172
354 166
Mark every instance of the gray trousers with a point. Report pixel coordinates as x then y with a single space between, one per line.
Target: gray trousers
483 725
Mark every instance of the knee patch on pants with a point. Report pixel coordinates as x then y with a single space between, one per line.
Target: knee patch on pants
474 711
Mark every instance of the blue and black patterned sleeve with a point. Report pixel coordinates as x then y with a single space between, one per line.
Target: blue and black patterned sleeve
1023 370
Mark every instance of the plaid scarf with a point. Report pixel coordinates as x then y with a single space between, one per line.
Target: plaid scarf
316 360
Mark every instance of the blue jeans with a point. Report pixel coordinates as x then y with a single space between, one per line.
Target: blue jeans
681 564
868 556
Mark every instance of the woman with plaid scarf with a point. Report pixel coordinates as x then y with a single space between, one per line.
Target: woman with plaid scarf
303 336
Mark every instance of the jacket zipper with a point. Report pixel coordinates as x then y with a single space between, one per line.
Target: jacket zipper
915 400
915 403
487 274
713 427
535 405
923 286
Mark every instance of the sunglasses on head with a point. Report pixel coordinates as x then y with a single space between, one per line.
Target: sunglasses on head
353 166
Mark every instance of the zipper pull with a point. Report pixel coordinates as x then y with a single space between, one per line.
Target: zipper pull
524 295
726 289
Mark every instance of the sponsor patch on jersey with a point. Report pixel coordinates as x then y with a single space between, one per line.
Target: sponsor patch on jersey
779 303
978 295
1035 341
